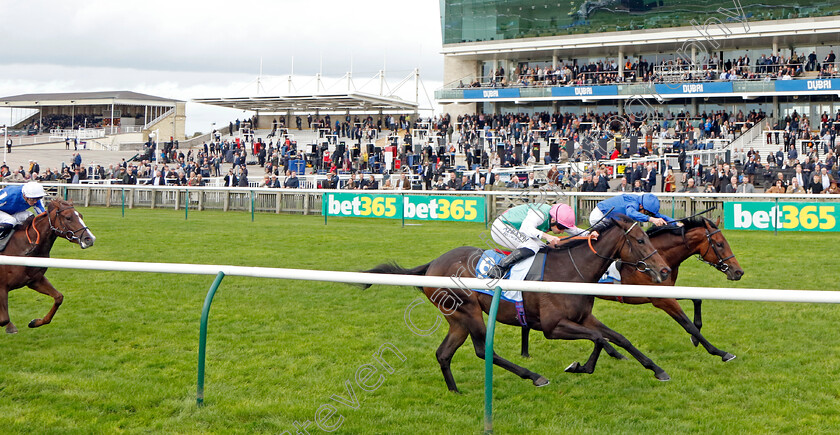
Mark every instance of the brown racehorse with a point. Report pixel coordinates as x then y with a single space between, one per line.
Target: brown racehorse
697 236
35 238
559 316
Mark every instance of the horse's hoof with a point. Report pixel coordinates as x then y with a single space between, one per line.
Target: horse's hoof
33 323
525 355
455 391
695 341
10 329
663 376
541 381
728 357
573 367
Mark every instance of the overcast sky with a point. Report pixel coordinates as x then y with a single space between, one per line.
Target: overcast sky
213 48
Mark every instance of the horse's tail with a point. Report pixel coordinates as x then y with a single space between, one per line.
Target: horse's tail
393 268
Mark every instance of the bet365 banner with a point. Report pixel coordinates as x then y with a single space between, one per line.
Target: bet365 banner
784 216
417 207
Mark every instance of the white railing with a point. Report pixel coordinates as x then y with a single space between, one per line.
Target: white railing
79 133
745 139
730 294
159 118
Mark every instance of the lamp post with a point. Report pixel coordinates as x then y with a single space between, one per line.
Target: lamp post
5 141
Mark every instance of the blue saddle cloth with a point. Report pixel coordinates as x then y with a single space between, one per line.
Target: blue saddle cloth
490 258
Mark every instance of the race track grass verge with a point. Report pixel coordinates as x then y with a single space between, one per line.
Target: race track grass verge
120 355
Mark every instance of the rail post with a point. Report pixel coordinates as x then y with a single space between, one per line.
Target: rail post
122 191
488 361
202 337
186 204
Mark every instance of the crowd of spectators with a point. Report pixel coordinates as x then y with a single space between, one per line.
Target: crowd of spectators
606 71
434 166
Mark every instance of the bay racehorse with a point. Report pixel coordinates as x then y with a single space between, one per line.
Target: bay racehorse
698 236
559 316
35 238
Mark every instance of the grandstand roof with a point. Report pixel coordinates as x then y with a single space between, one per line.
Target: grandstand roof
88 98
310 103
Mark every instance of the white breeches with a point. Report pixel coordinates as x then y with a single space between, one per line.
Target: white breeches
14 219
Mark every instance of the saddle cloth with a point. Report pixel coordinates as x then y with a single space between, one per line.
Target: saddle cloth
531 269
5 240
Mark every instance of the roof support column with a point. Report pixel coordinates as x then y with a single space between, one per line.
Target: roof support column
621 63
112 117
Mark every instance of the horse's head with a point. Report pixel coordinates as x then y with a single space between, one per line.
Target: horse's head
637 251
717 252
66 222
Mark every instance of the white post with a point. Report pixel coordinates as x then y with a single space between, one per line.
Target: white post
112 117
381 82
417 86
5 141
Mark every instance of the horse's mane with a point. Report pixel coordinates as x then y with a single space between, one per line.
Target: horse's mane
600 227
688 224
55 202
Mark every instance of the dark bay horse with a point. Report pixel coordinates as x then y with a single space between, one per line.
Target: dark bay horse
35 238
697 236
559 316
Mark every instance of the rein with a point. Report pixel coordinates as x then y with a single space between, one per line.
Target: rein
640 265
37 233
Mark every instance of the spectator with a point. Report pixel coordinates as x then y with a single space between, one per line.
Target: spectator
777 187
690 187
292 181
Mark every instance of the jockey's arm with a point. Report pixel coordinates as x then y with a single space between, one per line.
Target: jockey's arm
39 207
529 225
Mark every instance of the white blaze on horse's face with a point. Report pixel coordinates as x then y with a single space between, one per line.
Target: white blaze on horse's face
87 238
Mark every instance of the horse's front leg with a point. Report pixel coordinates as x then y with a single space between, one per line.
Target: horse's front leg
45 287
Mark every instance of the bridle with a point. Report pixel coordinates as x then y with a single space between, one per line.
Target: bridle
71 235
640 265
721 264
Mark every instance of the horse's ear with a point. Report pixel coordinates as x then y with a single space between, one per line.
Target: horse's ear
717 222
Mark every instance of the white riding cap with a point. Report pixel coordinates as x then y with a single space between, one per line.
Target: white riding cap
33 190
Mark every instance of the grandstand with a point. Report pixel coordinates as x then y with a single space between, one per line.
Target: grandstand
109 120
671 64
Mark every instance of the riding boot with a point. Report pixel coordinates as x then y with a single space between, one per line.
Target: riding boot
5 229
499 270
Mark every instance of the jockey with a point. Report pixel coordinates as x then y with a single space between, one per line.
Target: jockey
642 208
15 202
523 230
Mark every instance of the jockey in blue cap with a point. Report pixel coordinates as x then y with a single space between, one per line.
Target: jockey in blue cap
642 208
15 202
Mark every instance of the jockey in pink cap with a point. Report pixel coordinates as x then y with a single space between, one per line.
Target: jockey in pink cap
524 230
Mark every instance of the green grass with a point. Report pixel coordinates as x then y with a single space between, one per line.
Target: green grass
120 355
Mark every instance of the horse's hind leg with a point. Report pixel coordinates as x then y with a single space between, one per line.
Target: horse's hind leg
672 307
454 339
43 286
698 318
568 330
4 308
624 343
478 333
526 332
